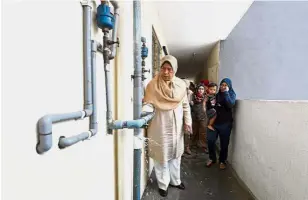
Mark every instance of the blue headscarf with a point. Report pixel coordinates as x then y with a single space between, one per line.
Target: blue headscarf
231 91
229 83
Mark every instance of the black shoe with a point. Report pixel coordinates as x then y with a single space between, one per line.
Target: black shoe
163 193
181 186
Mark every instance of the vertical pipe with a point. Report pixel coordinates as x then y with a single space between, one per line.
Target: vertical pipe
93 117
69 141
107 81
137 97
87 17
108 96
113 47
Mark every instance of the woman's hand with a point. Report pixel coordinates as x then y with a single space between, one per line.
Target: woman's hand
187 129
226 89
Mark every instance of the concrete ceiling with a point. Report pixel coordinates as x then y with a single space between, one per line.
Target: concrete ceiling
195 26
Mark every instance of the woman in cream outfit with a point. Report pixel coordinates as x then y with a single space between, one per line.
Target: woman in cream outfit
168 94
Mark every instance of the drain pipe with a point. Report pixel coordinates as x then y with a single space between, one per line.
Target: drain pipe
138 142
69 141
45 123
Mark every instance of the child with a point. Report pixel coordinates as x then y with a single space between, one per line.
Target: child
211 104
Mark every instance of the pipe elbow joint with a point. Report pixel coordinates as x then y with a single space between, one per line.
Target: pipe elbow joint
44 134
40 148
45 124
114 124
140 123
88 112
62 144
93 132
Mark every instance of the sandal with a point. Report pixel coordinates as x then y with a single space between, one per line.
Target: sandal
210 163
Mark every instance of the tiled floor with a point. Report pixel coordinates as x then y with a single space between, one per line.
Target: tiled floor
201 183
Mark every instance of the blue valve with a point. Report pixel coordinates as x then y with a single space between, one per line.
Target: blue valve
144 48
104 18
144 51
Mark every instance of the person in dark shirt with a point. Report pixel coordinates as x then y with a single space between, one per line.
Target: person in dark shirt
225 100
199 118
211 104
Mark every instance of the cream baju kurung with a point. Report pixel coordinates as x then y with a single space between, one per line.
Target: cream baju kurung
166 142
165 131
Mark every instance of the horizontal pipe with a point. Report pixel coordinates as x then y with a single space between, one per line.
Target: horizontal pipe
69 141
131 124
45 127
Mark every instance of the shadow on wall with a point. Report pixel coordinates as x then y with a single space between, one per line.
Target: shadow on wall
210 67
258 152
267 51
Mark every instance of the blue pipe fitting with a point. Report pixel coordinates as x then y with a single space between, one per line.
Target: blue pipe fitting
144 48
133 124
104 18
144 52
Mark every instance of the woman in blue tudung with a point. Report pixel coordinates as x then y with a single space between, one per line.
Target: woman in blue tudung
225 100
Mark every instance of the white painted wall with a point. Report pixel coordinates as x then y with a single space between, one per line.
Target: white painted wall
269 148
150 19
125 66
42 74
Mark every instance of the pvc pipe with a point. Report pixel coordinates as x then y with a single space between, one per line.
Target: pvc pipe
45 123
113 47
93 117
45 128
137 63
87 54
137 171
69 141
130 124
108 96
137 96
